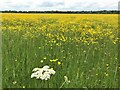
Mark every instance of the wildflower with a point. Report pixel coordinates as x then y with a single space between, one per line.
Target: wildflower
59 63
84 51
96 74
14 82
119 67
107 65
114 42
45 58
41 61
42 73
106 74
54 60
23 86
39 47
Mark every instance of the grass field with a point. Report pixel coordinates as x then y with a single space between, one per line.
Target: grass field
83 48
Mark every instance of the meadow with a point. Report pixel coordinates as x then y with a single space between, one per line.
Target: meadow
81 47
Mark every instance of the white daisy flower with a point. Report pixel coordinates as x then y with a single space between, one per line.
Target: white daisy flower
42 73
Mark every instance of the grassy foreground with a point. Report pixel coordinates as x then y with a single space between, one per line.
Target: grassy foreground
81 47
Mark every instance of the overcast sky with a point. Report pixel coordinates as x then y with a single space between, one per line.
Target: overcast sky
41 5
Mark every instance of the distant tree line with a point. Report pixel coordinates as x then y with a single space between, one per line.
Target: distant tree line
67 12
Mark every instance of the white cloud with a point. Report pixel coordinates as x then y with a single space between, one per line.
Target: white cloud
59 5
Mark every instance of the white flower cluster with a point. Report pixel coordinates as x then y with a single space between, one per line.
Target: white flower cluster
42 73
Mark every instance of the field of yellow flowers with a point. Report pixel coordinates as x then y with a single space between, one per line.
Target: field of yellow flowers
82 49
